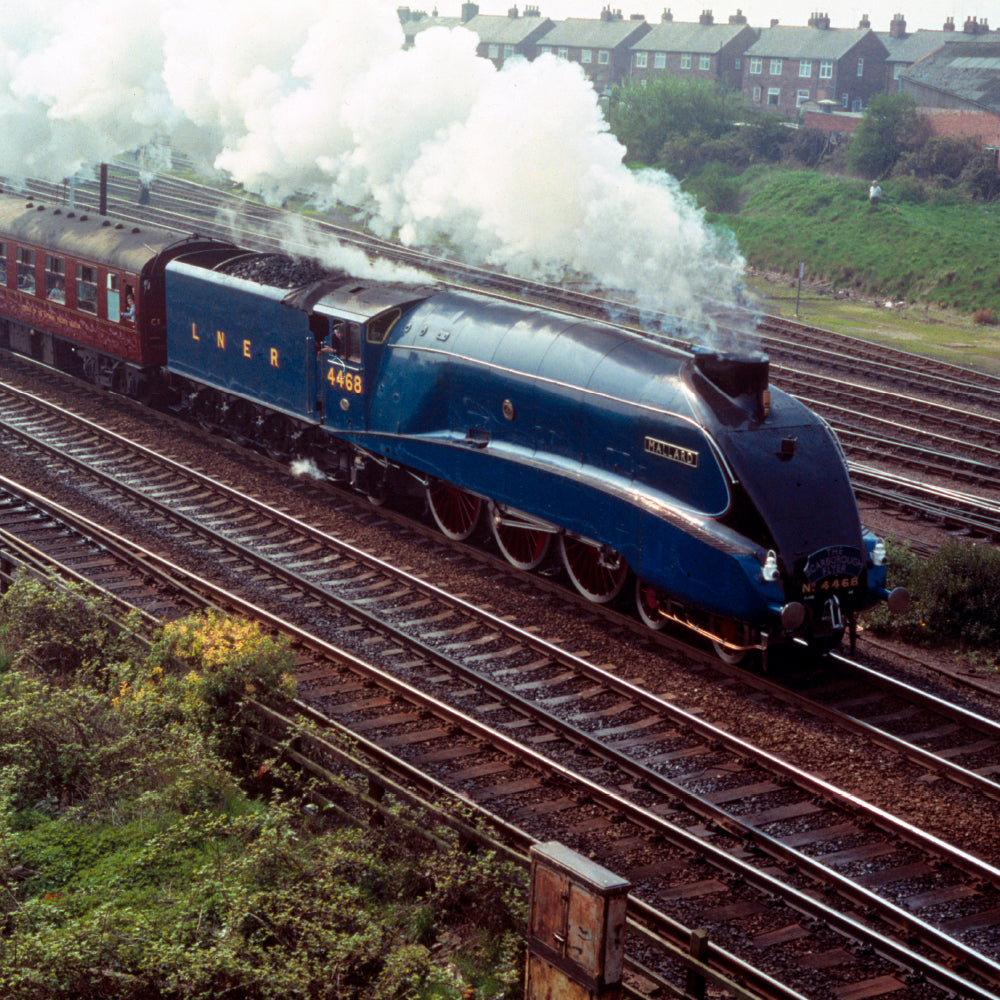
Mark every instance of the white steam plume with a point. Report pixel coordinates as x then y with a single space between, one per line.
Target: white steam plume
515 168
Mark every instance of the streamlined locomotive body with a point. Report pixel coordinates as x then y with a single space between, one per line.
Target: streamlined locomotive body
724 502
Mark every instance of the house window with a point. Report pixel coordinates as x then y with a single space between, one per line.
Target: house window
55 278
659 60
826 69
3 263
562 52
641 60
704 62
587 56
26 270
773 96
493 51
775 67
756 64
508 52
805 67
801 96
686 60
756 95
603 57
736 63
845 99
857 105
545 50
86 289
861 67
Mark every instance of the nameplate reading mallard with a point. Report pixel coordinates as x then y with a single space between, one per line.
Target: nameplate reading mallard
663 449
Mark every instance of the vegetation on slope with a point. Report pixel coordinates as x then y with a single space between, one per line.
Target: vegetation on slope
792 197
906 248
144 851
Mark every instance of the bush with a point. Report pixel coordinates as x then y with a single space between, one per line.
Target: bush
981 178
716 188
955 596
908 191
939 157
984 317
61 632
808 146
134 864
889 127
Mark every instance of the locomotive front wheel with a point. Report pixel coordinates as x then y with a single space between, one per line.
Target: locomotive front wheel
647 603
454 511
524 548
596 571
730 656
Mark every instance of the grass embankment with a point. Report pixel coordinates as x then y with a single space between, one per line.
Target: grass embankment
912 272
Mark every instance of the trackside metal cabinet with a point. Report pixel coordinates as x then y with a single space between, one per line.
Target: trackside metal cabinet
576 927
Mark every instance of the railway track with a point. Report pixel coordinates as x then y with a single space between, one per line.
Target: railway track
721 796
935 423
678 848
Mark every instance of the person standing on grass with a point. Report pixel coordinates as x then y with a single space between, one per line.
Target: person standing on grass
874 193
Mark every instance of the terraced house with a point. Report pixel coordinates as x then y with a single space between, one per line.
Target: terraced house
789 67
601 47
702 51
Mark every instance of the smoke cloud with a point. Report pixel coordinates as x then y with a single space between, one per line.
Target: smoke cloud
514 168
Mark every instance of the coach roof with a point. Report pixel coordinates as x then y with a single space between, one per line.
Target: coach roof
82 235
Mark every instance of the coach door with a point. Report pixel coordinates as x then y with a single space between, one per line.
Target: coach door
340 376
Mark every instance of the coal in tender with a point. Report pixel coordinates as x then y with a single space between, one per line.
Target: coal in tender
277 270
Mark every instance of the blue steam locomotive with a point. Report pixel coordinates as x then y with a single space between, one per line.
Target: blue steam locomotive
724 502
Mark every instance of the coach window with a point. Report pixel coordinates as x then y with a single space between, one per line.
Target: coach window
26 270
55 279
86 289
114 298
3 263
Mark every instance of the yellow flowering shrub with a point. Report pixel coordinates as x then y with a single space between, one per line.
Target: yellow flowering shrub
203 666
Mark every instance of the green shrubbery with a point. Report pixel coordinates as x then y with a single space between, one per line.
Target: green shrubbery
955 597
135 864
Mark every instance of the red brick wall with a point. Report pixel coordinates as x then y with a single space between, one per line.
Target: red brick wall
957 124
822 122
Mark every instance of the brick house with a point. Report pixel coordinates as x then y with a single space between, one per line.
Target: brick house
788 67
689 51
500 37
602 47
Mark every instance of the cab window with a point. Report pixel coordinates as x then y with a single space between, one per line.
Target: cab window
26 270
379 326
353 346
86 288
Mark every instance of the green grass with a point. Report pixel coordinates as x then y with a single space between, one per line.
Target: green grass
919 328
938 251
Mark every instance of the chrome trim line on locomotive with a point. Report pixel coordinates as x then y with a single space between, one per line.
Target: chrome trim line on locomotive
507 370
691 521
